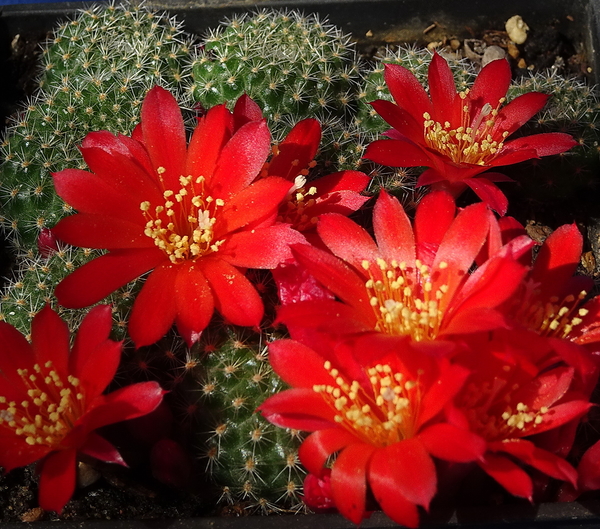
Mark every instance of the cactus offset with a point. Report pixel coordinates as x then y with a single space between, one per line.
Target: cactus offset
254 463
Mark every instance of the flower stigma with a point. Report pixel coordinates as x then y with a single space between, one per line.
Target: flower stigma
403 299
382 415
183 227
50 412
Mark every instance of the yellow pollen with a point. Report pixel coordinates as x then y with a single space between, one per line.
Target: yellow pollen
381 414
470 143
51 411
405 300
298 206
184 228
554 318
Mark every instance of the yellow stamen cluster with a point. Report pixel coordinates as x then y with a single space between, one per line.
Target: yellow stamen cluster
183 227
299 202
403 299
382 415
555 318
51 409
472 142
522 416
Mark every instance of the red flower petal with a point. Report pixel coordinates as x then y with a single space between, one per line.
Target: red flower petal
99 448
241 160
407 91
491 84
98 231
299 408
349 481
210 137
254 203
89 193
57 480
123 404
334 275
397 153
543 460
340 182
433 218
195 303
393 231
347 240
512 477
235 297
50 340
400 119
297 150
245 110
450 443
155 307
407 468
518 112
286 355
489 193
92 333
318 446
164 135
442 89
15 353
98 278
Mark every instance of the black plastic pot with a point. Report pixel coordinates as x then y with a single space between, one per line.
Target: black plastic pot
371 22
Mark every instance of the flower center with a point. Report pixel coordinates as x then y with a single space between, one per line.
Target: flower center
297 207
382 415
403 299
183 227
492 413
472 142
554 318
51 410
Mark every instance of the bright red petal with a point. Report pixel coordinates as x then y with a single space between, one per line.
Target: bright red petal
407 468
123 404
99 448
397 153
434 216
512 477
393 231
489 193
57 480
299 408
92 333
235 297
97 231
297 150
450 443
347 240
286 355
195 303
50 340
490 85
164 135
407 91
251 204
318 446
211 134
105 274
518 112
543 460
349 481
241 160
155 307
442 89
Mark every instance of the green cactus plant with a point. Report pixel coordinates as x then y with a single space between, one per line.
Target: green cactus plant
254 463
293 66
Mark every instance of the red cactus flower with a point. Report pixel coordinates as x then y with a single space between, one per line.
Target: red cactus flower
381 414
518 387
333 193
193 215
413 284
51 402
458 136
